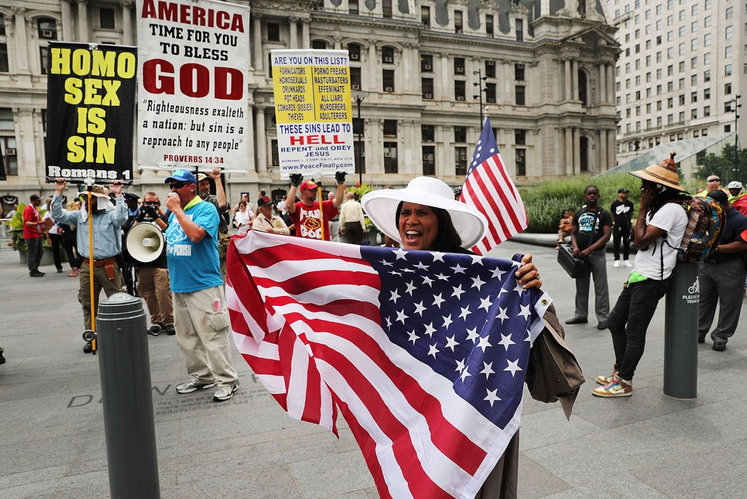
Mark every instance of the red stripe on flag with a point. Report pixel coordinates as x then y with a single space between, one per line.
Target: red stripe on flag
287 253
402 448
490 173
443 433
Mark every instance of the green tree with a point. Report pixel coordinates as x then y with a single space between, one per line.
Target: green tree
723 165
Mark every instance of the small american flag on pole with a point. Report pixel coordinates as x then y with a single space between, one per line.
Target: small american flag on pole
424 353
489 189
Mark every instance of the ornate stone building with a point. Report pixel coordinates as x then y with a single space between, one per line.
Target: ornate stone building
544 70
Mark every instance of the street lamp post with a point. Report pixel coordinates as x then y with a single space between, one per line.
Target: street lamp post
735 110
358 97
480 79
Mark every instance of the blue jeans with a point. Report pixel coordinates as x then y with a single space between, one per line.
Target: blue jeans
629 320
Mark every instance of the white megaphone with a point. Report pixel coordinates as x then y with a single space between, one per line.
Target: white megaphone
144 242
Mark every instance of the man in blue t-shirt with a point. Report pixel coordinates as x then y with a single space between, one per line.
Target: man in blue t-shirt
200 313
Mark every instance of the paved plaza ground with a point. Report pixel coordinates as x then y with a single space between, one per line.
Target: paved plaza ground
646 446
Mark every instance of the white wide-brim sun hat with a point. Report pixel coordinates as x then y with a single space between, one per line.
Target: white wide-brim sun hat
381 208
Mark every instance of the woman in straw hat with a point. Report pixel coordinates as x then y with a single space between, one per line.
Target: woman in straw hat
657 233
425 216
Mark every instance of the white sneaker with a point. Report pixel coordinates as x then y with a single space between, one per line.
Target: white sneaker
627 264
225 392
616 264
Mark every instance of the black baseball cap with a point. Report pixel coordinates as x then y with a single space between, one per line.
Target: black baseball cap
622 190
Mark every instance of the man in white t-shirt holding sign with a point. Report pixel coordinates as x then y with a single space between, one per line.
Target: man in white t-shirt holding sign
657 233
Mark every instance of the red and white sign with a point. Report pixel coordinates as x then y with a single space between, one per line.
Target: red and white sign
192 101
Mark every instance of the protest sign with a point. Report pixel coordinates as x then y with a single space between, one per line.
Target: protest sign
313 111
90 111
192 105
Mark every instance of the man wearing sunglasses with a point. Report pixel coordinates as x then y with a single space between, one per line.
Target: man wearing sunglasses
153 277
200 313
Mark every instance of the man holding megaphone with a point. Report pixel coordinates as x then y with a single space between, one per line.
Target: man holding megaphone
147 247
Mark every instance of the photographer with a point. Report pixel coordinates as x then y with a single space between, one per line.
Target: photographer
153 277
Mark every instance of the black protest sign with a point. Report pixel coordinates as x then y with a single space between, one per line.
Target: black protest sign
90 111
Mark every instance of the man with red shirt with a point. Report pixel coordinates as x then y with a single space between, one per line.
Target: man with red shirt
32 231
305 214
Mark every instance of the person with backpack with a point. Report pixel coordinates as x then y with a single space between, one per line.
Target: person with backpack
657 233
592 226
721 278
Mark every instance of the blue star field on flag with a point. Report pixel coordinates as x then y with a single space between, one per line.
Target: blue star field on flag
463 315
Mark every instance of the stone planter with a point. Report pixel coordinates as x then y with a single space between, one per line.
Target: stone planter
47 257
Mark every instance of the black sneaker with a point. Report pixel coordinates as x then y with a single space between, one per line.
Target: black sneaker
59 271
170 330
577 320
155 330
2 359
88 347
36 274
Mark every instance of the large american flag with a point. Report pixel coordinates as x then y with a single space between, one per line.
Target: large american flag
489 189
424 353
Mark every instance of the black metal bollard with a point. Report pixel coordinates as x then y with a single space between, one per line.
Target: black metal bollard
129 423
681 333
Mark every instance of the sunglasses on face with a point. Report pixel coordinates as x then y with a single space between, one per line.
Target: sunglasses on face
178 185
151 203
714 180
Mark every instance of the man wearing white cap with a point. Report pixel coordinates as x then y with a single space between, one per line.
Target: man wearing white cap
657 233
735 189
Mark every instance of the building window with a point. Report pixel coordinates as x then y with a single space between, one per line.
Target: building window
458 21
2 24
275 154
428 133
727 88
387 78
521 162
273 32
694 114
353 7
459 90
706 111
694 97
707 76
319 45
490 93
8 142
490 69
459 65
489 25
727 70
390 157
519 72
429 160
44 59
387 55
386 8
706 93
106 18
520 100
729 32
460 160
460 134
390 128
727 128
427 87
727 52
520 137
47 28
426 63
4 68
519 30
425 15
355 78
354 50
